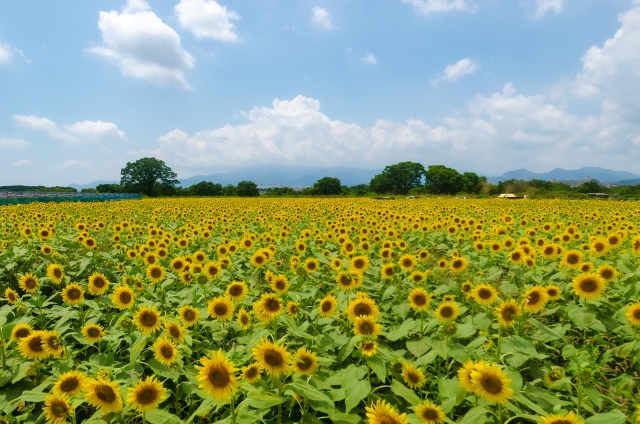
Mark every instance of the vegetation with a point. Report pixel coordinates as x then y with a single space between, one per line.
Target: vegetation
248 310
147 176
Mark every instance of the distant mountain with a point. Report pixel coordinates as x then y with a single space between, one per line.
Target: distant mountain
629 182
93 184
601 174
287 176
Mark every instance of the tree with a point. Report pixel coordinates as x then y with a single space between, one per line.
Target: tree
247 189
472 183
592 186
443 180
360 189
229 190
109 188
88 190
141 175
398 178
206 188
327 185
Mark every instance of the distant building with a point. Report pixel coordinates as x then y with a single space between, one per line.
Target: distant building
268 186
507 196
572 183
298 188
612 185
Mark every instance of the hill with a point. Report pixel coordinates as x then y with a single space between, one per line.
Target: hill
601 174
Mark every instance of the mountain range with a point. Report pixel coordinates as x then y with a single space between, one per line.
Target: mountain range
306 176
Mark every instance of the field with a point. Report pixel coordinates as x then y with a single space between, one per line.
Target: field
320 310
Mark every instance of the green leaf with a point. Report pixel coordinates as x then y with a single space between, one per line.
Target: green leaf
136 349
32 396
593 395
402 331
404 392
205 407
379 367
264 401
613 417
477 415
550 334
158 416
355 393
315 397
163 370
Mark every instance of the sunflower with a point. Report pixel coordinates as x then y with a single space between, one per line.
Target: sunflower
103 394
419 299
311 265
586 267
349 281
359 264
383 413
46 249
93 332
188 315
407 262
98 284
633 314
147 320
459 264
165 351
387 272
20 331
484 294
304 361
122 297
589 286
258 259
178 264
237 291
336 264
607 273
28 283
273 357
293 309
70 383
569 418
368 347
268 307
535 299
508 311
155 273
11 296
175 331
412 376
52 344
279 284
146 395
447 311
221 308
55 273
57 408
328 306
553 292
252 373
571 259
599 247
429 413
31 346
464 375
217 377
244 319
491 383
73 294
366 325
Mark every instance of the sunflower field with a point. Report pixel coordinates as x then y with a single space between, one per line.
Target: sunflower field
320 311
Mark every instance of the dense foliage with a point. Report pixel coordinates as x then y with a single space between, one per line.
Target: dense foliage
320 310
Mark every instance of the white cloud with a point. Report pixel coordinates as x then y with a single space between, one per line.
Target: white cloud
12 143
545 6
6 54
143 46
207 19
369 58
322 18
76 165
434 6
93 131
453 72
22 162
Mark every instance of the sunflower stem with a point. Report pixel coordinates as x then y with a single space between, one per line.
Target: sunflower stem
421 323
279 383
498 345
2 347
233 410
500 413
144 419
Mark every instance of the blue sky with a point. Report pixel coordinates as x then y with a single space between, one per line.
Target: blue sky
479 85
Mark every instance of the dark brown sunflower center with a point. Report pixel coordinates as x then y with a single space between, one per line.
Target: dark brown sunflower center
311 266
552 292
178 265
22 333
305 363
30 283
599 247
484 293
273 305
573 259
146 396
419 299
57 273
534 297
220 309
59 409
244 319
508 314
93 332
189 315
588 285
358 263
156 272
388 271
457 264
105 393
492 385
99 283
407 263
413 377
606 274
174 331
273 358
446 311
430 414
235 290
35 344
362 309
636 313
365 328
125 297
148 319
73 294
69 384
326 306
166 351
251 372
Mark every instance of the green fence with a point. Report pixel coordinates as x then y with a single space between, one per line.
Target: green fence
18 197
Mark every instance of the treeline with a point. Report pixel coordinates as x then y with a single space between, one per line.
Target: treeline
554 189
21 188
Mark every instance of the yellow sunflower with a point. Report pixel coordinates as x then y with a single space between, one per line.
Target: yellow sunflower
535 299
589 286
304 361
31 346
412 376
57 408
146 395
98 284
464 375
237 291
633 314
55 273
571 259
361 306
368 347
491 383
507 312
188 315
366 325
387 271
569 418
175 331
155 273
73 294
11 296
165 351
103 394
28 283
52 344
93 332
70 383
407 262
178 264
273 357
147 320
268 307
359 264
459 264
221 308
252 373
484 294
122 297
419 300
586 267
311 265
553 292
244 319
447 311
383 413
328 306
429 413
217 377
607 273
258 259
20 331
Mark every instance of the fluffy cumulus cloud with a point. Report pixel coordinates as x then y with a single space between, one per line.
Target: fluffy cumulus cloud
207 19
548 6
369 58
12 143
459 69
143 46
427 7
6 54
85 131
322 18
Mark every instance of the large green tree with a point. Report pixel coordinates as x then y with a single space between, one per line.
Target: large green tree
206 188
327 186
398 178
141 175
442 180
247 189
